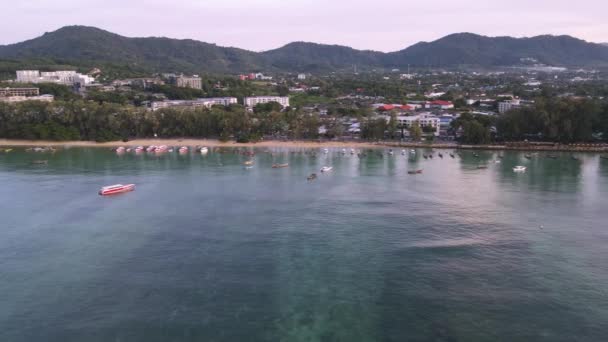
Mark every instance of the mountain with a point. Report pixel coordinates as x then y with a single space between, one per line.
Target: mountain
89 46
476 50
312 56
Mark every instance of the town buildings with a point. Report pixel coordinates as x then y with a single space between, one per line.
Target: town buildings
439 104
194 82
254 101
66 77
198 103
505 106
6 92
15 99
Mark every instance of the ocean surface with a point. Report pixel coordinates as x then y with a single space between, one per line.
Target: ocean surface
207 250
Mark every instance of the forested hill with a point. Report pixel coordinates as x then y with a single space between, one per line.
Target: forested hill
89 46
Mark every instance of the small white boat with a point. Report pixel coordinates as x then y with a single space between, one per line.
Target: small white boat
183 150
343 151
413 151
390 152
326 151
120 150
352 151
497 161
139 149
402 152
204 150
116 189
326 168
519 169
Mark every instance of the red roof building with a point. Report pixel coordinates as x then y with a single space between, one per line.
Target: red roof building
386 108
441 104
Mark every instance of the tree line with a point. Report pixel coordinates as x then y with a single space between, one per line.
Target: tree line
551 119
87 120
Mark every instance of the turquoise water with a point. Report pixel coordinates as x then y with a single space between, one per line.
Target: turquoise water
206 250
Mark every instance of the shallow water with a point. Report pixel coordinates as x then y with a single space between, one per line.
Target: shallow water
206 250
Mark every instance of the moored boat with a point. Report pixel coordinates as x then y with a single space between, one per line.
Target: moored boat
312 176
183 150
519 168
204 150
414 172
161 149
326 168
120 150
116 189
279 166
248 163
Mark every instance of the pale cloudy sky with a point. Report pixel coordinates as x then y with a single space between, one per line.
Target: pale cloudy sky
385 25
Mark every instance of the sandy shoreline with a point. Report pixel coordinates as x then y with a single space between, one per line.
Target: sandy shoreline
300 144
188 142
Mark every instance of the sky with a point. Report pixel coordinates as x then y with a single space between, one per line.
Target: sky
383 25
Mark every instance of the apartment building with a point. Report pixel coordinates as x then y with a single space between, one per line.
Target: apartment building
254 101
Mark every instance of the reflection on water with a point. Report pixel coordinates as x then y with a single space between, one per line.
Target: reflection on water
206 249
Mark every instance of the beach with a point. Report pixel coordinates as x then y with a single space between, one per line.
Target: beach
593 148
190 143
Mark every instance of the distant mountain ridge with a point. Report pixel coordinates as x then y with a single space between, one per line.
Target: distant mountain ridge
84 45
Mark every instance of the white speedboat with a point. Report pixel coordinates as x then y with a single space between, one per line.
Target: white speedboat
326 168
519 169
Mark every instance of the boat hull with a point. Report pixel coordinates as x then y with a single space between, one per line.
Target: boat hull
116 190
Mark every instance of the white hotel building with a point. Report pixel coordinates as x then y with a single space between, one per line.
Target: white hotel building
67 77
204 102
253 101
424 120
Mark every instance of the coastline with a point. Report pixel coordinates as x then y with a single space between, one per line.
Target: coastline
593 148
189 143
